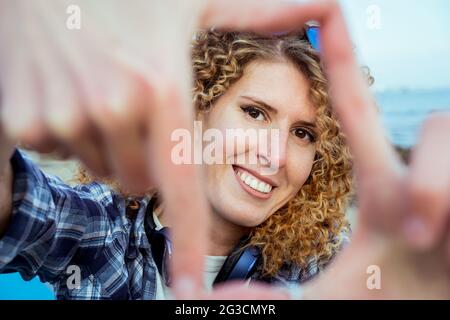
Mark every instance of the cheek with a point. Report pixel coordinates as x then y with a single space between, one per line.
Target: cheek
237 141
226 126
299 167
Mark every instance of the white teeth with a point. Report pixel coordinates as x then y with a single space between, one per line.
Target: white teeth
262 186
254 183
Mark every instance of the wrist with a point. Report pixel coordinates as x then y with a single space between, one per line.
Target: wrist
6 172
6 189
6 152
7 148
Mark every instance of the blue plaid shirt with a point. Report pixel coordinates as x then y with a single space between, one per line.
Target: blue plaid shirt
55 227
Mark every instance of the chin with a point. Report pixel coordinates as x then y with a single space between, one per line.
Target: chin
247 218
232 203
239 213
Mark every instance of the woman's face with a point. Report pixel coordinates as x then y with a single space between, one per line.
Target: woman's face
270 95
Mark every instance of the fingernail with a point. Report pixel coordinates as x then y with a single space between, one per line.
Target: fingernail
184 288
416 231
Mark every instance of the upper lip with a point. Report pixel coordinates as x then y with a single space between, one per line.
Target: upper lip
257 175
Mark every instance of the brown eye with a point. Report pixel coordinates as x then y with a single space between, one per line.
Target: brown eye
255 113
304 134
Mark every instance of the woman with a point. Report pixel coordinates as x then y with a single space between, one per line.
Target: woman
295 217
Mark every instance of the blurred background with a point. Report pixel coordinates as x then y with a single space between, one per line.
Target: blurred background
405 43
406 46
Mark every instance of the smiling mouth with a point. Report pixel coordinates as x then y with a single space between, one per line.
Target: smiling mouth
252 184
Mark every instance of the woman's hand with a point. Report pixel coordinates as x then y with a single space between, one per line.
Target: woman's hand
404 225
110 93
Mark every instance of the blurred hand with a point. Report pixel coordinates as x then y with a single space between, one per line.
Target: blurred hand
110 93
404 212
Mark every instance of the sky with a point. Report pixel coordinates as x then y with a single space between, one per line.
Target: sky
406 43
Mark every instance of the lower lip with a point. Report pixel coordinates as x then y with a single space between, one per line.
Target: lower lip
250 190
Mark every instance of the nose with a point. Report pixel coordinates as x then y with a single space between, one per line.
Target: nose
272 151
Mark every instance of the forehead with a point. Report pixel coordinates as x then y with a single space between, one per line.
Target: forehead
280 84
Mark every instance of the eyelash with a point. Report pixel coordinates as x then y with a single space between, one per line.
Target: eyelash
311 136
249 109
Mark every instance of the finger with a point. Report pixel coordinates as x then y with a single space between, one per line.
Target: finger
67 120
378 170
82 140
181 185
115 101
264 15
168 73
64 113
91 152
21 99
120 117
116 97
260 15
429 185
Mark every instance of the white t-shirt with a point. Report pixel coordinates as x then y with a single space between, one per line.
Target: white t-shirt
213 264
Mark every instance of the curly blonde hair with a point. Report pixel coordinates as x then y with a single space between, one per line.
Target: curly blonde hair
310 225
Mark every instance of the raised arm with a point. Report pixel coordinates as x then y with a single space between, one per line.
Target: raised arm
52 225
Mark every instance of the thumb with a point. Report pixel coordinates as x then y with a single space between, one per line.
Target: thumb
180 184
262 15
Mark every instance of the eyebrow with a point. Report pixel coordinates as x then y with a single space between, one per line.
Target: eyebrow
262 104
275 111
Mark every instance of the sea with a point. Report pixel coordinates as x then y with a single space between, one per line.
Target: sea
404 111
